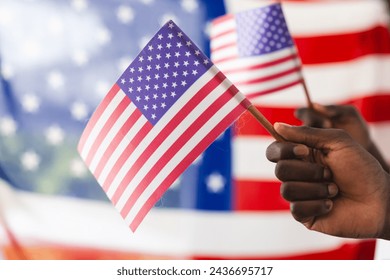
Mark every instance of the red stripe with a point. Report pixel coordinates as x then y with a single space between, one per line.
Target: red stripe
339 47
343 47
117 139
134 142
115 115
258 196
364 250
198 149
373 108
242 68
222 19
270 77
258 93
174 122
214 50
95 117
176 146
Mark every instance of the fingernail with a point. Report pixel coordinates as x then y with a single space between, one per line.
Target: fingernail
327 174
332 190
278 125
327 124
301 151
328 204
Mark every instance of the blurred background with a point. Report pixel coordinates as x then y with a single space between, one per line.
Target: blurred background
58 59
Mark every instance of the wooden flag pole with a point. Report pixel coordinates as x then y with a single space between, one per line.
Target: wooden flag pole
265 123
308 98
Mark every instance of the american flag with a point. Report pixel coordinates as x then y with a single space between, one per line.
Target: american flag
227 204
168 106
255 50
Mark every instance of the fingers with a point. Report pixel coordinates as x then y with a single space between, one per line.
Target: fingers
298 170
313 118
300 191
286 150
323 116
309 200
306 211
322 139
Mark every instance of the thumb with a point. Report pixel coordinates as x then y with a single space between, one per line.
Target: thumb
317 138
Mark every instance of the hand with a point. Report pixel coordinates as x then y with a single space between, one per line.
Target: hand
345 117
333 184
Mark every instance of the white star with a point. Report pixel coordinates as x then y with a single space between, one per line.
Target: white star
189 5
146 2
7 71
103 36
30 160
80 57
102 87
30 103
77 168
56 80
55 26
79 5
8 126
79 110
167 17
31 48
54 135
125 14
215 182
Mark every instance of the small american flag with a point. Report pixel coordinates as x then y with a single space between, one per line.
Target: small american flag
255 50
168 106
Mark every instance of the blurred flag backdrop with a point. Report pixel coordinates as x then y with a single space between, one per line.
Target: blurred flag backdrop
59 59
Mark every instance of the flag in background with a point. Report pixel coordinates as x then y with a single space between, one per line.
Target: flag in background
54 75
255 50
168 106
344 47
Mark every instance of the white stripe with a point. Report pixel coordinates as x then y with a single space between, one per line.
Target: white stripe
248 165
222 27
183 152
336 82
380 133
100 123
111 134
228 52
233 64
229 38
249 161
172 137
157 129
271 84
119 150
325 17
247 75
179 233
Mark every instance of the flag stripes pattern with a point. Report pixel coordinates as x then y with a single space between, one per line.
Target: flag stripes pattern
152 152
256 72
345 61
